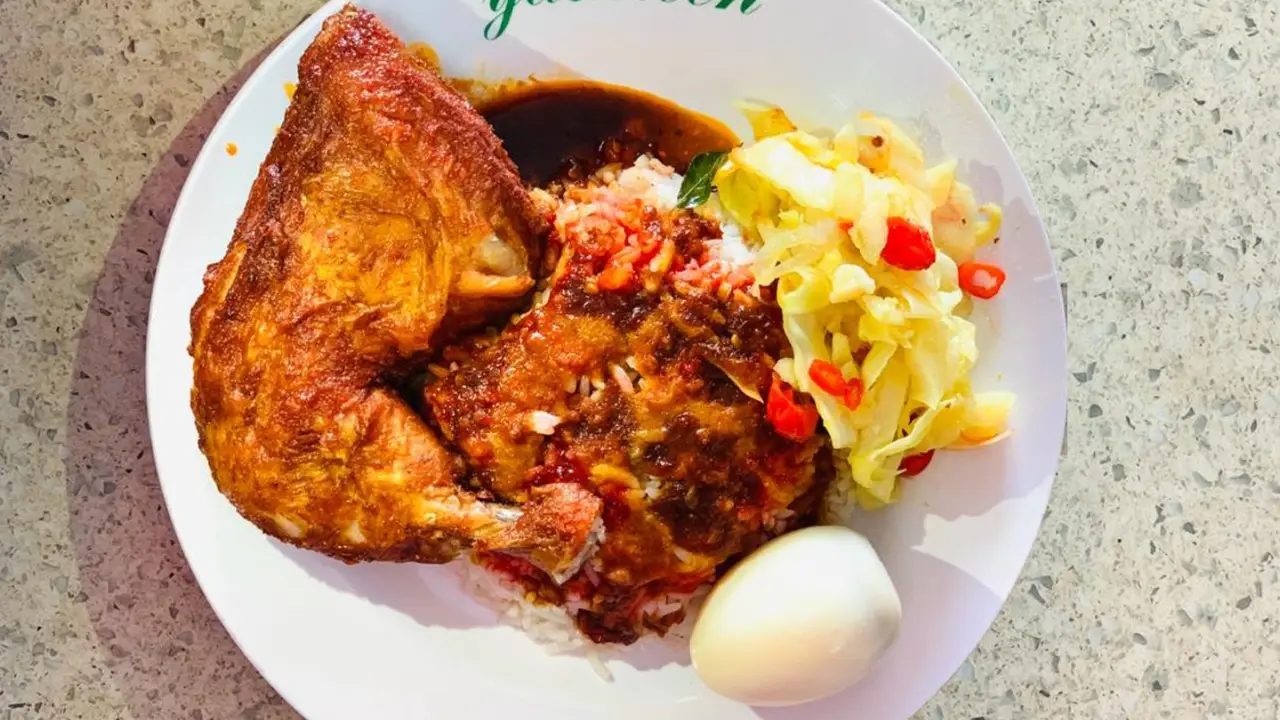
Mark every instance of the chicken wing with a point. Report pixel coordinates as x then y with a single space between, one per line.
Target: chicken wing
385 219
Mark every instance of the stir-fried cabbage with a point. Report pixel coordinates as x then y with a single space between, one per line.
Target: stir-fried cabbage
817 213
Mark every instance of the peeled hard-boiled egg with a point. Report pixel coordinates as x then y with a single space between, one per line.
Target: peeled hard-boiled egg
800 619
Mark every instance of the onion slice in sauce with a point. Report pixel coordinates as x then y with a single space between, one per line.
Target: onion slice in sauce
746 388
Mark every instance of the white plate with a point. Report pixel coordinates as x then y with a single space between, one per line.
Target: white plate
404 641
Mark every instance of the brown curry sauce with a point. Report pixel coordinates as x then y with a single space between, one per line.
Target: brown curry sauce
566 129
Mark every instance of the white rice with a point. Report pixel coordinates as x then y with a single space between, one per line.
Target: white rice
778 520
541 298
550 626
657 184
542 422
553 628
624 381
732 248
652 488
839 506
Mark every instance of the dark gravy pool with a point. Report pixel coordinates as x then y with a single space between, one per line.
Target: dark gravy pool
568 128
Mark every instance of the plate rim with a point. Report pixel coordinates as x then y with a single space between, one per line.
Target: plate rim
308 27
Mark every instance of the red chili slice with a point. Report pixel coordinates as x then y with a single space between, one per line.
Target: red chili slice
853 394
908 246
913 465
789 419
981 280
827 377
615 277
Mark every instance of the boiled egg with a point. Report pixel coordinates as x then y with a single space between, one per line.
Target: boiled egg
801 618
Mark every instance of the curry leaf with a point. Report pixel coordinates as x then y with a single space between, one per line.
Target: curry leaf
697 184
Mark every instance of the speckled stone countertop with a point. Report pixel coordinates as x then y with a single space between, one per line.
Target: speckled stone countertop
1145 127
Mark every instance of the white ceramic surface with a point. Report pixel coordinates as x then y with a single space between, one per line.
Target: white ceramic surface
404 641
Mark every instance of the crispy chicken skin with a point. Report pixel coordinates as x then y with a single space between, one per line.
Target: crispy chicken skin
385 220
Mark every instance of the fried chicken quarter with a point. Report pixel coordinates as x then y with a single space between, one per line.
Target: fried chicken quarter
385 220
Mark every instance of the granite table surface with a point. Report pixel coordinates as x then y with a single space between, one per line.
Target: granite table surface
1147 130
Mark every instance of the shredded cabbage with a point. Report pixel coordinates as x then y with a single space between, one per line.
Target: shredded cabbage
816 212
